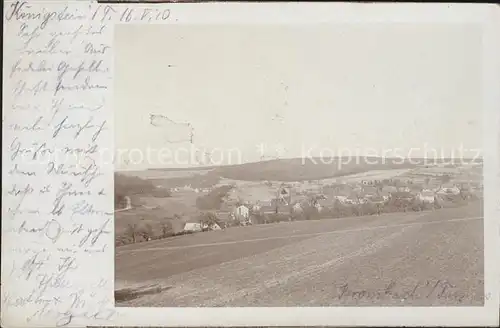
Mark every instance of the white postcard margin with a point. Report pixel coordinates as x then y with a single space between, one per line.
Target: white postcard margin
67 284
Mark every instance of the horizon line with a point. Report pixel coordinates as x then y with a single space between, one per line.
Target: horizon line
207 167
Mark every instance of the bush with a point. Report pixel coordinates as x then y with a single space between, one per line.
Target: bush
214 199
274 218
131 185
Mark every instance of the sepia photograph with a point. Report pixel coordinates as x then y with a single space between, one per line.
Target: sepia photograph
305 165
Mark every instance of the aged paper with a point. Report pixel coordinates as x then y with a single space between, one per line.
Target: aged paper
57 188
73 69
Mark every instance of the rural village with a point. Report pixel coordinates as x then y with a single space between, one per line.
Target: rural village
147 208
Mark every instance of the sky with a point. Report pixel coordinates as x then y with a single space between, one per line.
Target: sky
294 91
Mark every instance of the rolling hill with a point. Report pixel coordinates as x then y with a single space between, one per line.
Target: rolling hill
287 170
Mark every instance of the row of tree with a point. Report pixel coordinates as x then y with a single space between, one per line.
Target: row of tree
139 232
143 232
339 210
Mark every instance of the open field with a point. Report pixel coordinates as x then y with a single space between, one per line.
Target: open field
165 174
423 258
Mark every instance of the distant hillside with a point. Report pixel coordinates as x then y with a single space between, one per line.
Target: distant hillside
295 169
131 186
298 169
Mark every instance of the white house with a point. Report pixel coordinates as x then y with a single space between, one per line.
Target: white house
243 211
426 196
449 189
342 199
352 200
256 208
297 208
318 206
193 227
128 202
213 226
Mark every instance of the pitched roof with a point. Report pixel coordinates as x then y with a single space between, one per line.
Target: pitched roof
192 226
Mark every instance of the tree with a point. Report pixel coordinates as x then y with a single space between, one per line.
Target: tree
208 219
166 229
132 232
214 199
438 202
146 232
417 205
369 208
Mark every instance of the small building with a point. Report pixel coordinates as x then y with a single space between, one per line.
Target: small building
377 200
426 196
242 211
341 199
403 189
448 189
352 200
127 202
404 195
193 227
297 207
384 194
213 226
389 189
318 206
265 203
256 208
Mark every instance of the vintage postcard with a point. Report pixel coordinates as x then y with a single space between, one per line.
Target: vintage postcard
320 165
281 164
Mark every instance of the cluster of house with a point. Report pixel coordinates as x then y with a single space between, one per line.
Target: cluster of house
190 189
366 191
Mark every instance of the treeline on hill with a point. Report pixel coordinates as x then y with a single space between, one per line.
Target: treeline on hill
131 186
214 199
298 169
196 181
